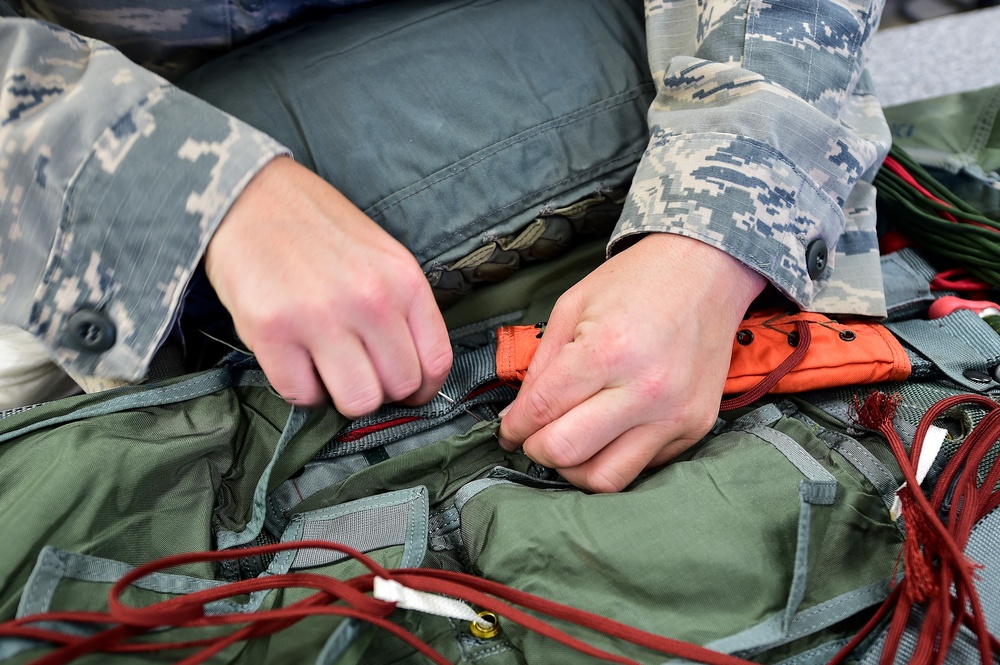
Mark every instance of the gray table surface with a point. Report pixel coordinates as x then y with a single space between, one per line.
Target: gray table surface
945 55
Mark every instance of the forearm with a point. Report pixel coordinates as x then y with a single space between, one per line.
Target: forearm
113 182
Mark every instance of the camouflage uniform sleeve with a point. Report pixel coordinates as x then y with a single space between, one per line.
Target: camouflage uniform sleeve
764 137
112 181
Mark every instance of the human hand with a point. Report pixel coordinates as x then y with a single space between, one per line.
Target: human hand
631 367
329 302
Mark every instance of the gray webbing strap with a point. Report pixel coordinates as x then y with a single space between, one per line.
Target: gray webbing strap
980 548
963 346
470 372
906 283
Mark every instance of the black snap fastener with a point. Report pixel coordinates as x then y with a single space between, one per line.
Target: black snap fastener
744 337
816 258
977 376
793 339
251 6
90 330
847 335
995 373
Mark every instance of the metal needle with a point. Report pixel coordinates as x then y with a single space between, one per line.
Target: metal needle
452 401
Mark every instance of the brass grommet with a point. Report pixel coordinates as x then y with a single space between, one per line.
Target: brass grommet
486 627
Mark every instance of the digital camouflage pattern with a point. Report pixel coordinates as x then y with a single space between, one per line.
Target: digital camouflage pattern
764 135
112 181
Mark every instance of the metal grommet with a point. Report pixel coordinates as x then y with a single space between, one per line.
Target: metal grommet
486 627
744 337
90 330
793 338
848 335
977 376
995 373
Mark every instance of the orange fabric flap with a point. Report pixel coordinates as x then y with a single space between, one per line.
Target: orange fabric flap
840 353
516 347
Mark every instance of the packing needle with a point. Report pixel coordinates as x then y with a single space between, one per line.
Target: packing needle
452 401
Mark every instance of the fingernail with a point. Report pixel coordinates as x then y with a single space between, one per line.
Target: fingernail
506 445
503 411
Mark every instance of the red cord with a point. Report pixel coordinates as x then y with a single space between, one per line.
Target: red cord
933 557
959 279
938 575
188 611
776 374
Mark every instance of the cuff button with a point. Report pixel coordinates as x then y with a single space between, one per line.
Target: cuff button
816 258
90 330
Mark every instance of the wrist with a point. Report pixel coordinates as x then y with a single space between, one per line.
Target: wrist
708 271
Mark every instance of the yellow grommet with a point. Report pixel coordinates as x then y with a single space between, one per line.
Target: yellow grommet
486 627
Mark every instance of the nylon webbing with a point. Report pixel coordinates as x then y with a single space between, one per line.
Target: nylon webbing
956 344
471 372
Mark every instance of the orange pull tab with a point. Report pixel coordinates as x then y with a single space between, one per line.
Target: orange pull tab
516 346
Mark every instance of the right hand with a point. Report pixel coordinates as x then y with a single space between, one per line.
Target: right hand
331 305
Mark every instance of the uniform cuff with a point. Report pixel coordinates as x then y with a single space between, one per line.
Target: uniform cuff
740 196
137 218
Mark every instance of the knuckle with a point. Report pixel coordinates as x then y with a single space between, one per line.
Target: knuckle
308 394
272 326
540 408
436 364
615 351
403 387
694 419
371 304
360 402
410 277
703 423
605 480
553 450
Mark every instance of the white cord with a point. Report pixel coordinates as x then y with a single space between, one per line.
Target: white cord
392 591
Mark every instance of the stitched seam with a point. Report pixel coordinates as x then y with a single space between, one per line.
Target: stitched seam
167 393
626 157
822 609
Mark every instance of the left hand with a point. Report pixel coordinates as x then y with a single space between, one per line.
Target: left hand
632 365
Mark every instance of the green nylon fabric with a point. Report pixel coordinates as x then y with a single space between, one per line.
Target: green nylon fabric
951 132
141 483
700 550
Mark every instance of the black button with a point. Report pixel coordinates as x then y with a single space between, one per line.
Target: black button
816 258
977 375
90 330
